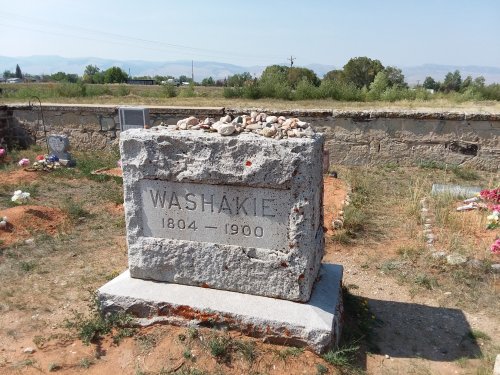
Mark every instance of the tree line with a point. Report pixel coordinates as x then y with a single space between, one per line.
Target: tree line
360 79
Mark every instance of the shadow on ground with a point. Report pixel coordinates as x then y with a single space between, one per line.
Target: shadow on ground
409 330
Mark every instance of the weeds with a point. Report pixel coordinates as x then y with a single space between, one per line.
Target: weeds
290 352
219 347
85 363
466 174
341 357
74 209
93 327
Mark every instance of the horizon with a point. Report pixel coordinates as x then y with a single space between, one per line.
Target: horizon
455 33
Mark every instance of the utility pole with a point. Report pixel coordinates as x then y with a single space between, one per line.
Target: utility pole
291 59
192 71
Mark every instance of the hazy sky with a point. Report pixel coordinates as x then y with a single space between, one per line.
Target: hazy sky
256 32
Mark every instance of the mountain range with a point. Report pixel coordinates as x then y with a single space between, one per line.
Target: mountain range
203 69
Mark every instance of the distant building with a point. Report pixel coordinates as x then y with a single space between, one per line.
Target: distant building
141 81
14 80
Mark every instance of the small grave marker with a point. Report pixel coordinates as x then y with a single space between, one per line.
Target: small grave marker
58 146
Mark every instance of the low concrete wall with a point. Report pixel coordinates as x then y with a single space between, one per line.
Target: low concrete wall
353 137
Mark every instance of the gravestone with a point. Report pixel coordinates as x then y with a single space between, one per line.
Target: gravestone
58 146
455 190
227 229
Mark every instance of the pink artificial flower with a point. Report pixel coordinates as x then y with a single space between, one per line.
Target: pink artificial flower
495 246
491 195
24 162
495 207
2 152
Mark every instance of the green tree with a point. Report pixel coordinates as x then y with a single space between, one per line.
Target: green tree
8 74
238 80
361 71
296 75
334 75
64 77
91 74
115 75
452 82
208 82
19 73
395 77
379 85
430 84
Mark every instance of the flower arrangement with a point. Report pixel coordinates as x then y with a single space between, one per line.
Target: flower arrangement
24 162
492 195
492 198
20 197
495 246
46 162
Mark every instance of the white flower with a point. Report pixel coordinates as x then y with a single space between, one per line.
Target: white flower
20 197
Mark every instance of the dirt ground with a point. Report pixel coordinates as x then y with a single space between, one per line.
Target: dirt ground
415 333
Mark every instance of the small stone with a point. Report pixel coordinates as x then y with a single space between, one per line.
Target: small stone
217 125
183 121
182 125
3 224
29 241
337 224
29 350
456 259
226 119
208 121
495 268
271 119
190 121
254 114
447 293
438 254
238 120
302 124
475 263
254 126
387 356
226 129
269 131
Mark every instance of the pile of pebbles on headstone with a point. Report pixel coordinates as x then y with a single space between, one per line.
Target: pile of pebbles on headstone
277 127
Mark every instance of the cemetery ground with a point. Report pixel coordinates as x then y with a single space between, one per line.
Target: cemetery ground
406 312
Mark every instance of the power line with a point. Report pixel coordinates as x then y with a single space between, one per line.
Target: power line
115 38
291 59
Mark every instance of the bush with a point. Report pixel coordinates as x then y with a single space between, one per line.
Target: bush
169 90
97 90
122 90
306 90
232 92
251 91
70 90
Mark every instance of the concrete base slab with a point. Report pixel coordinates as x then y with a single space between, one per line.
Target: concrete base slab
315 324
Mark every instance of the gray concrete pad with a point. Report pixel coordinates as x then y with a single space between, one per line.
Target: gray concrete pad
315 324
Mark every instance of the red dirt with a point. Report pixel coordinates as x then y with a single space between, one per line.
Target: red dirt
18 176
333 196
114 172
23 221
